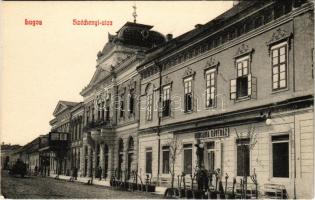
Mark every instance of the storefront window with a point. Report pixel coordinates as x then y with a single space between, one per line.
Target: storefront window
243 161
187 158
166 159
211 156
280 156
148 158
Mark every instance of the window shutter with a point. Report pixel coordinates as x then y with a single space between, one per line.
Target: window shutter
233 89
195 103
254 87
249 88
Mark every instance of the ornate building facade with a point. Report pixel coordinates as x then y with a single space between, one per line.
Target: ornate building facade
110 100
240 88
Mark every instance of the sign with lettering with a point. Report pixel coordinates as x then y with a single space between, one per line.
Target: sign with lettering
213 133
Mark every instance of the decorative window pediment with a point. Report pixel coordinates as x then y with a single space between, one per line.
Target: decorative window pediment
189 72
243 50
167 81
278 36
211 63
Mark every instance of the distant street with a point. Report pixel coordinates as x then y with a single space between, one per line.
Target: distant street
44 188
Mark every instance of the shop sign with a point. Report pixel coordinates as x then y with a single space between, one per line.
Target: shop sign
213 133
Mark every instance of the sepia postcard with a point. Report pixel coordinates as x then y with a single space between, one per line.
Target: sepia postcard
157 99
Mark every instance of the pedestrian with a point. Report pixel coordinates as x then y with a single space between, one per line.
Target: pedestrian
75 173
100 172
35 169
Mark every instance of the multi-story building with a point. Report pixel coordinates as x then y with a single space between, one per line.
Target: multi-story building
234 94
76 132
60 125
110 101
240 88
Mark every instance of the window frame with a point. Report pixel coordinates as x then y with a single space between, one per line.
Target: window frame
148 150
166 148
166 96
208 73
122 106
131 105
188 90
149 107
289 153
241 61
183 157
274 47
249 158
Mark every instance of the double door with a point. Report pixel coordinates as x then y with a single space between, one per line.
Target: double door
213 155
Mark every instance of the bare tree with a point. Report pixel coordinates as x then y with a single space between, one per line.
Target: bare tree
250 135
175 149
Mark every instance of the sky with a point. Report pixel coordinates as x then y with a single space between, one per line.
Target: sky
40 65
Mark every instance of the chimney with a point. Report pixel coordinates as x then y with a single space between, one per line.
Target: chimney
169 37
198 26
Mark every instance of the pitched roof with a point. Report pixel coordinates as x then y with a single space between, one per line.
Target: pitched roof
212 25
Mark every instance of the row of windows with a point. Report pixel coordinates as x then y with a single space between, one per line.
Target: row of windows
280 157
242 87
279 9
131 106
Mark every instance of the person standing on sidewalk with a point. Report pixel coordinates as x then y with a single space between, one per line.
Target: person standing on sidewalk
75 173
100 172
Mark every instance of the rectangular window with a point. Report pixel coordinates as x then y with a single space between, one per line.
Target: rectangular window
211 156
279 67
122 106
149 106
187 158
242 78
210 87
188 98
243 85
93 112
131 101
148 158
280 156
166 159
99 111
166 102
243 160
107 109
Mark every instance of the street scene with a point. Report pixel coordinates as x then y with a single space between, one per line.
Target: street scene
222 108
37 187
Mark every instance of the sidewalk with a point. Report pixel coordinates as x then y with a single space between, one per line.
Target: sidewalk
103 182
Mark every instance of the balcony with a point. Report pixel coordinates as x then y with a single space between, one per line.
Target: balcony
97 125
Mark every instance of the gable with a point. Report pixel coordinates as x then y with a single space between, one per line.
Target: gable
59 108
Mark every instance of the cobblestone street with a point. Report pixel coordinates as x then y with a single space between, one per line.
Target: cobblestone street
39 187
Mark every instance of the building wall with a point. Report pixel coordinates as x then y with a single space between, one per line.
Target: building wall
297 123
300 78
